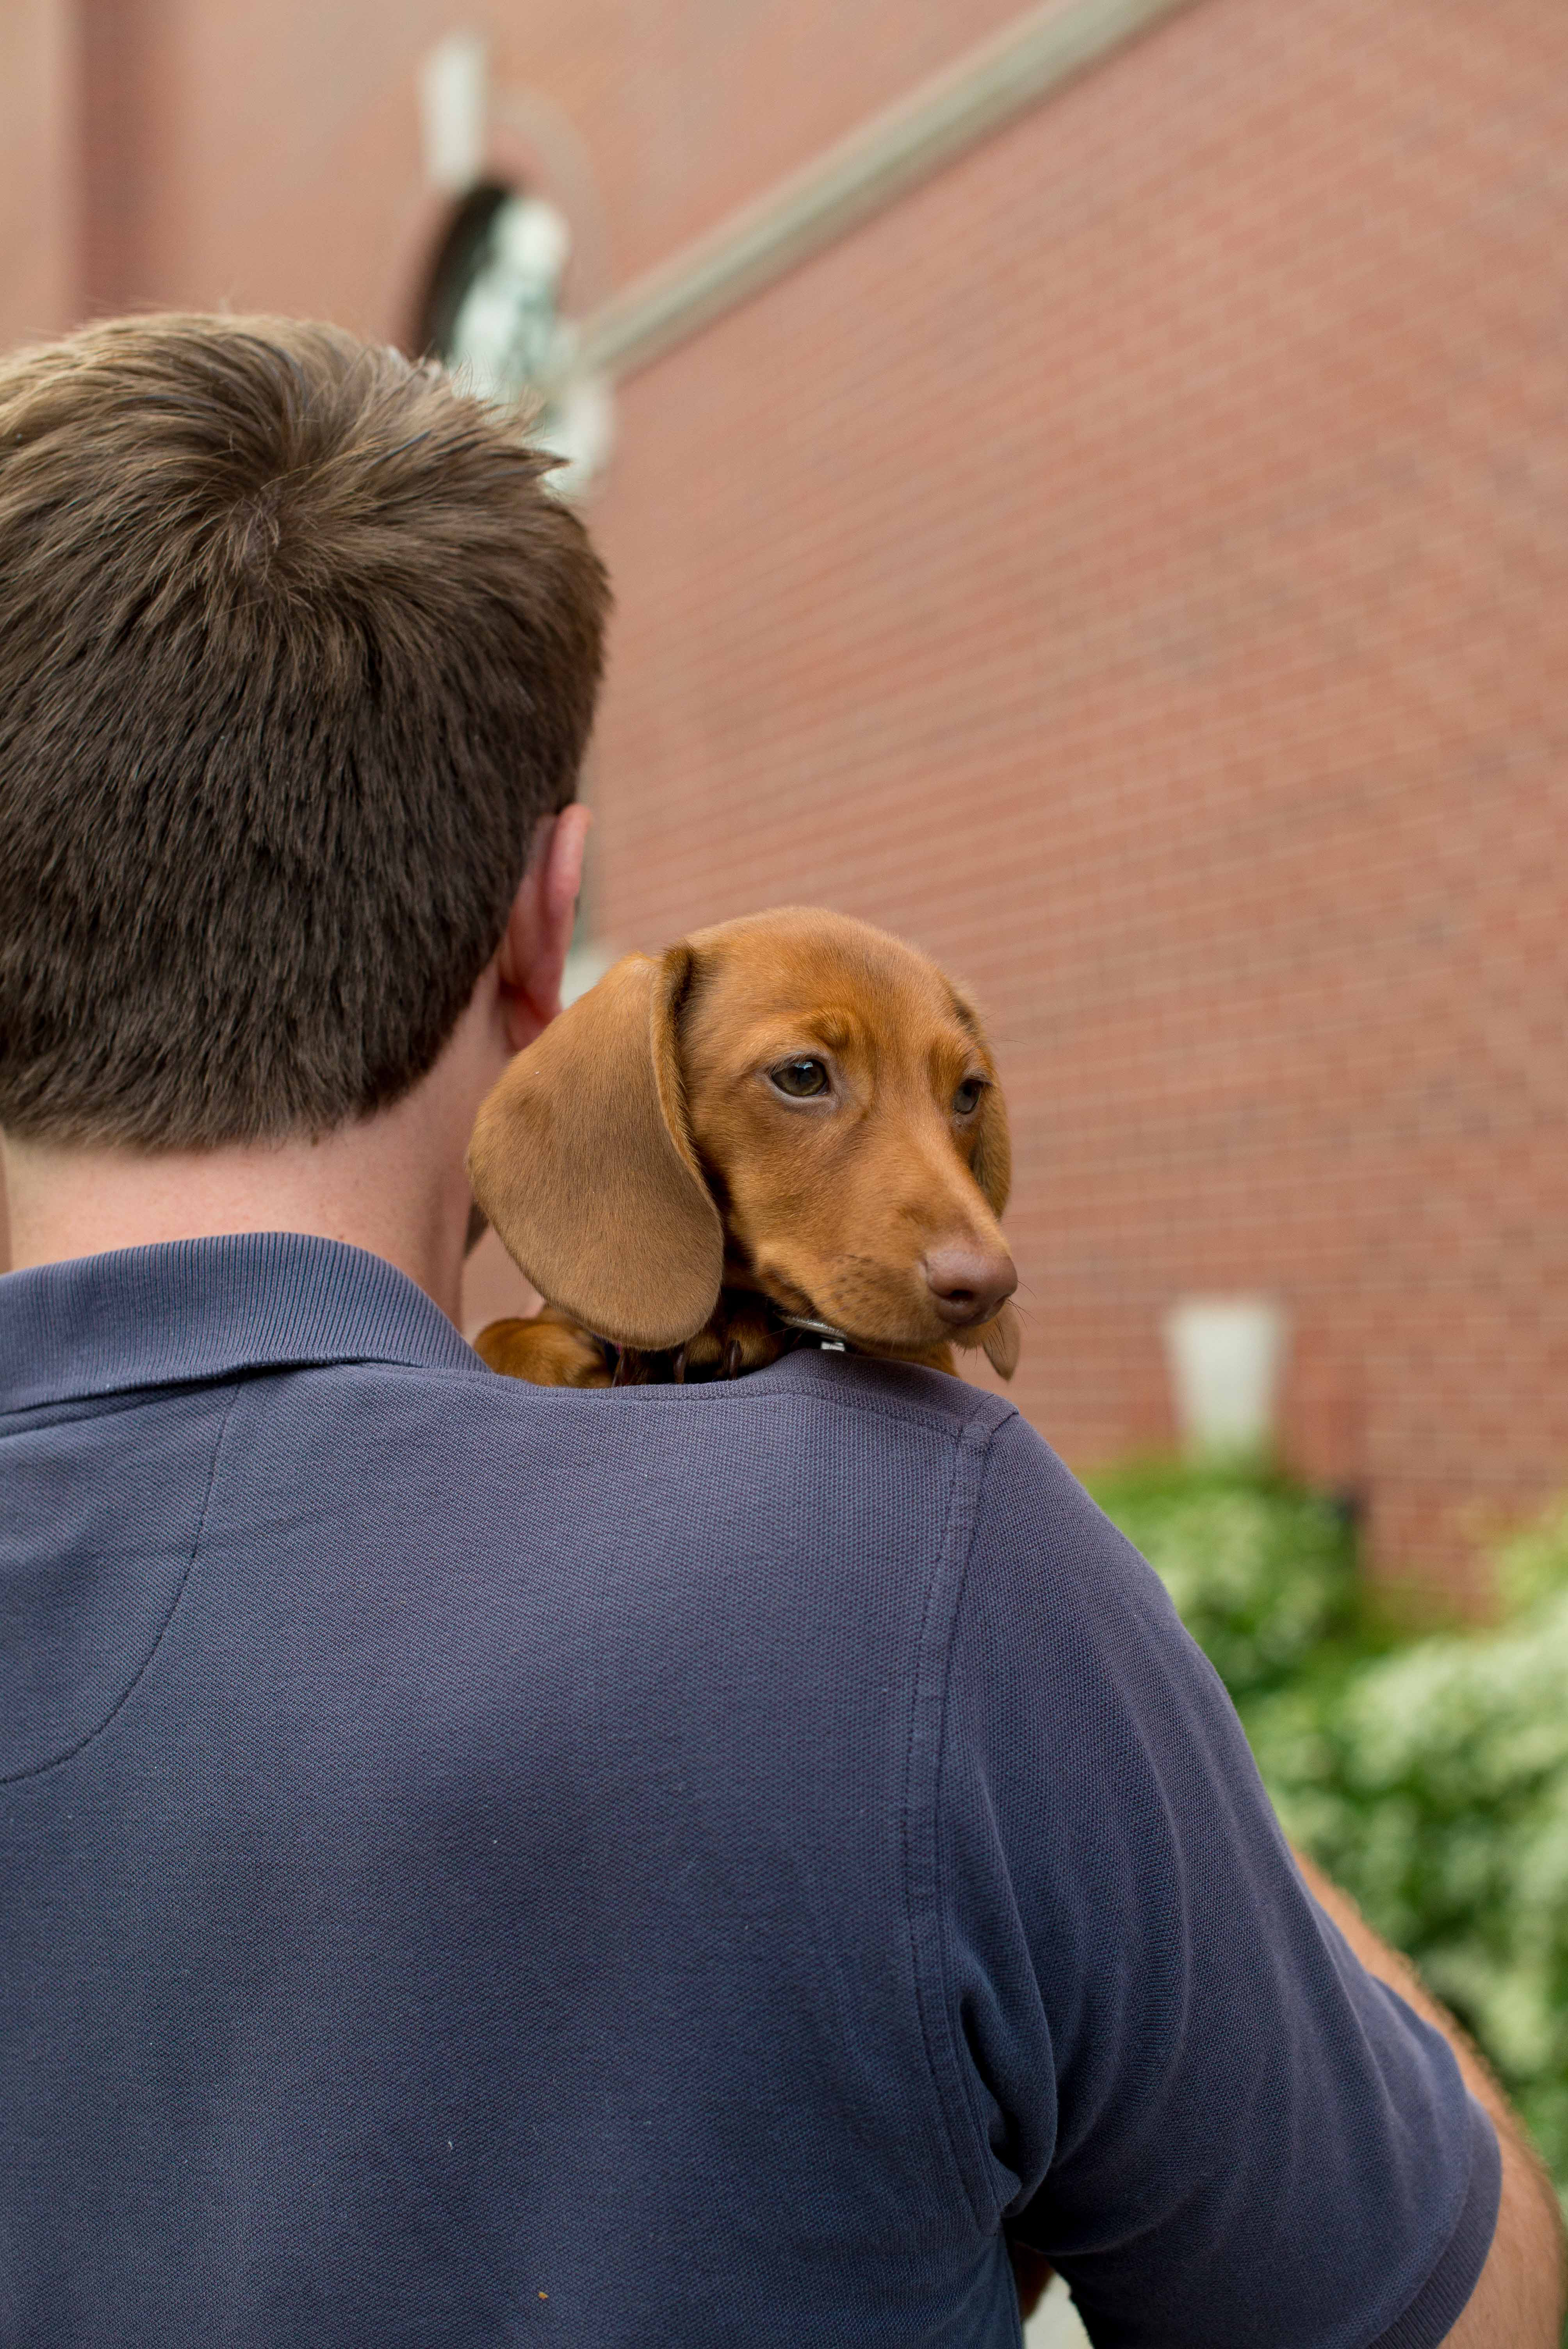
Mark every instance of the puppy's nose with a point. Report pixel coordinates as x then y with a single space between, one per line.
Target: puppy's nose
968 1284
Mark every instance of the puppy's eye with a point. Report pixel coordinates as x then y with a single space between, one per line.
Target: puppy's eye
800 1079
966 1100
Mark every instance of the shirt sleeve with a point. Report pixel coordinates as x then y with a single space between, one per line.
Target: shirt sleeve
1179 2082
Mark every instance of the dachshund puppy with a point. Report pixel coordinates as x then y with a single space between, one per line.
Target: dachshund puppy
785 1130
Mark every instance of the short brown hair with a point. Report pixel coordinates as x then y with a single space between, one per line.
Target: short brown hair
297 651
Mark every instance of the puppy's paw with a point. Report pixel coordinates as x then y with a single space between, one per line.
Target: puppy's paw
550 1350
742 1337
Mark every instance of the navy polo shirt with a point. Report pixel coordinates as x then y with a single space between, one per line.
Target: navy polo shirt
483 1863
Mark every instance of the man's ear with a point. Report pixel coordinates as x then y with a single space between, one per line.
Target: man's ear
583 1160
539 928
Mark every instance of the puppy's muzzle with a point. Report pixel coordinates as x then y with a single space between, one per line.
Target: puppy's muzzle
968 1284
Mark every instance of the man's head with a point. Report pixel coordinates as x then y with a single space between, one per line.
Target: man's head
297 656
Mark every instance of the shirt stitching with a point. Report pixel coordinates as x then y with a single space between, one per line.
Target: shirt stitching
962 2070
935 2024
56 1761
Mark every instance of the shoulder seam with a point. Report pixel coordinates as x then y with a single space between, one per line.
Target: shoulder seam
928 1946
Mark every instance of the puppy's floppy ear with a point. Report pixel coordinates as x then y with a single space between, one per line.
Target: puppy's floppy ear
992 1165
582 1159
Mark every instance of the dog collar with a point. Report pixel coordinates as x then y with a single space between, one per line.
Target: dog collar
824 1329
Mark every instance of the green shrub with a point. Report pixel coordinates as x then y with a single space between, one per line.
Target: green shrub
1263 1573
1428 1776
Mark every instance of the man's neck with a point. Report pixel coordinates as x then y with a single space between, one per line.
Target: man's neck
393 1183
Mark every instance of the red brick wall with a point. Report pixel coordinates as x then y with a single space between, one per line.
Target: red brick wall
40 205
1136 567
1132 566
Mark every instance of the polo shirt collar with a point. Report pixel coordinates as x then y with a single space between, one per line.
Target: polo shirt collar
187 1310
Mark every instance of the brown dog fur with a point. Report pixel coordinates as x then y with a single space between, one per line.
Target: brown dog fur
645 1170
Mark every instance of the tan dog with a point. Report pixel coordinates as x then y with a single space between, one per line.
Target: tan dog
784 1130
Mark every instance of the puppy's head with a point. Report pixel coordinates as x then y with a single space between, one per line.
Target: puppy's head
794 1103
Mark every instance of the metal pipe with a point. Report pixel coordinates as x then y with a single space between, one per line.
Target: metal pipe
895 152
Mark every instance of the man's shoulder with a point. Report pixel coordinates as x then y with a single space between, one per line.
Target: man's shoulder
737 1545
823 1475
458 1429
852 1393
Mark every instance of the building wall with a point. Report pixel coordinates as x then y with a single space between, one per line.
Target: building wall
1132 566
39 175
1135 568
